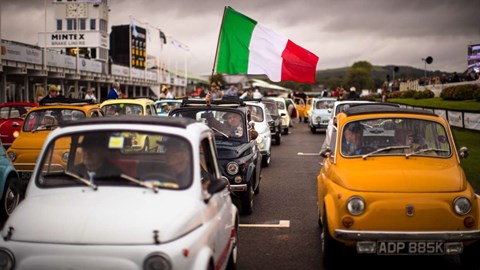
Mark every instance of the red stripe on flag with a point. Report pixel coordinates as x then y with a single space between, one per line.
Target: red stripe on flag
298 64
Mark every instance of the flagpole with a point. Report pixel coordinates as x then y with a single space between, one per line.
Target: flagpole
218 41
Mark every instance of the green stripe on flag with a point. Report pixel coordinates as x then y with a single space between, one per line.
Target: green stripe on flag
235 39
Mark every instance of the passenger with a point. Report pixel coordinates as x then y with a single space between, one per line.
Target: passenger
96 162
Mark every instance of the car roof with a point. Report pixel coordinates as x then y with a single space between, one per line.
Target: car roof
139 101
381 108
134 119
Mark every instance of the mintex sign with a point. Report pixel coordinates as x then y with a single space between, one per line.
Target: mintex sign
69 39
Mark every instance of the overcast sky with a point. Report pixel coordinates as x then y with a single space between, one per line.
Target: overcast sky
339 32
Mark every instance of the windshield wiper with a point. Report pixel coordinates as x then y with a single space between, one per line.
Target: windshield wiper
426 150
225 135
82 180
131 179
386 149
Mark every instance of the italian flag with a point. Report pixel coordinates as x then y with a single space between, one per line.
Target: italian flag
248 47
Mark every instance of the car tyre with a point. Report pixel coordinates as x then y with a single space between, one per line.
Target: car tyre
266 161
469 257
10 200
285 131
331 249
246 200
278 137
313 130
232 259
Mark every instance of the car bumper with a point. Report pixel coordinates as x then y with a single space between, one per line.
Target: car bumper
407 235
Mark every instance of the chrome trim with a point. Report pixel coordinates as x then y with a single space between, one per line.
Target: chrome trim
240 187
406 235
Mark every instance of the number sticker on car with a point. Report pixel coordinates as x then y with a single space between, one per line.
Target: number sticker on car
410 247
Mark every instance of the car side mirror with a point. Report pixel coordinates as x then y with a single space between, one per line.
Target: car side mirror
325 153
216 186
463 152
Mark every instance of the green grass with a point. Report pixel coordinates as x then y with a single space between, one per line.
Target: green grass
464 105
467 138
471 140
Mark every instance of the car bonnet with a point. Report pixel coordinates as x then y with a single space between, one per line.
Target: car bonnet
106 216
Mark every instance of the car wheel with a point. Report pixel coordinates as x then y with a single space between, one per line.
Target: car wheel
313 130
266 161
285 131
331 249
232 259
10 200
278 138
469 256
246 200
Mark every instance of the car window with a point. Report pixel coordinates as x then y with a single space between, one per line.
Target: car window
395 136
256 113
118 158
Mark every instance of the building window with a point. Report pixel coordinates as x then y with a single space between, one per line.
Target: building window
71 24
59 25
93 24
83 24
103 25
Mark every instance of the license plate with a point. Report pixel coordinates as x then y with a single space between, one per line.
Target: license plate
410 247
25 175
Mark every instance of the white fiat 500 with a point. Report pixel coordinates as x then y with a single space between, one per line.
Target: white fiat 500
104 205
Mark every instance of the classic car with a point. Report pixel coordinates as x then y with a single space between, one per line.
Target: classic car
275 124
301 107
392 185
132 106
164 106
128 106
8 177
261 120
239 156
320 113
283 110
38 123
11 120
165 209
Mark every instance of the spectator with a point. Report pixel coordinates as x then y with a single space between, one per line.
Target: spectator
169 93
39 94
353 93
257 94
232 91
90 95
114 92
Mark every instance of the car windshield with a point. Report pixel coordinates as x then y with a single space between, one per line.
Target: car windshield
13 111
395 136
167 106
257 113
117 158
324 104
228 124
50 118
122 109
271 107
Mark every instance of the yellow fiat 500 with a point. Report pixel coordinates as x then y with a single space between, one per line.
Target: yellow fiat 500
391 184
38 123
133 106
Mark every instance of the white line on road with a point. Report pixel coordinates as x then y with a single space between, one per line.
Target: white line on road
307 154
281 224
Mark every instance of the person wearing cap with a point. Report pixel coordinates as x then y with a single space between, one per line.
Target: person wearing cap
96 163
353 93
231 127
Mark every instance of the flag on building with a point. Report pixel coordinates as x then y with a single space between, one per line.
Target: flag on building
248 47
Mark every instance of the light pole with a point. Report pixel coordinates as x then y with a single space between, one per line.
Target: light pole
427 60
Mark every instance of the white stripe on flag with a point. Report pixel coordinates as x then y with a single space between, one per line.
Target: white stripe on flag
266 47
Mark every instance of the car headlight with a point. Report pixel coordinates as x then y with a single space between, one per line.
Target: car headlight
355 205
232 168
157 261
7 260
12 156
462 206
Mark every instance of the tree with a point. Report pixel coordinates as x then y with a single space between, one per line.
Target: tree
359 75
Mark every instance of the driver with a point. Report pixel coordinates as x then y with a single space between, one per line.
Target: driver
353 134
